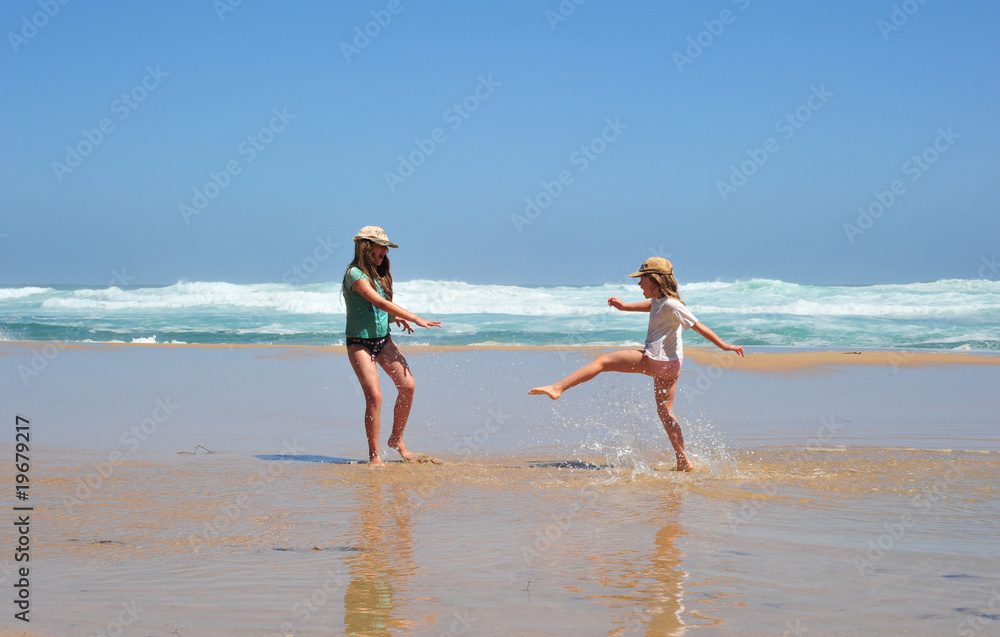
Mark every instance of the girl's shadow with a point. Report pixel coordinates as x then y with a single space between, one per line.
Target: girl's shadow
309 458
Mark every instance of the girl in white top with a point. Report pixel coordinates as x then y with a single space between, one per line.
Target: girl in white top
661 357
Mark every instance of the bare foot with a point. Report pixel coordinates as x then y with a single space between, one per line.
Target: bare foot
683 464
551 391
375 461
401 448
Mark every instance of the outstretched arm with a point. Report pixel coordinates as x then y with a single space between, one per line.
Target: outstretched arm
365 289
641 306
714 339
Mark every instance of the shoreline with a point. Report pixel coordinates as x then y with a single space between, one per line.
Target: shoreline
794 359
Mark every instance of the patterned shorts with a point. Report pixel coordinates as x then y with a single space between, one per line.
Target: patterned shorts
373 345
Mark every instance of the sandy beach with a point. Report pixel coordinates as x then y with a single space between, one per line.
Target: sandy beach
205 202
783 360
836 493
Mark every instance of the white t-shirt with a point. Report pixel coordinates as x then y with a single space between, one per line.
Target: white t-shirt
667 318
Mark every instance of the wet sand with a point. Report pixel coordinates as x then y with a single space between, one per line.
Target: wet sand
773 359
843 499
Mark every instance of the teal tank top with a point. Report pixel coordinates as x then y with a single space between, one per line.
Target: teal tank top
364 320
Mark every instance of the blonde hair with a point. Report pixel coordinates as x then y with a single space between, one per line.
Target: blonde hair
364 260
667 285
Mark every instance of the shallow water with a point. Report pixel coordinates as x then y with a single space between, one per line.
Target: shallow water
846 500
832 542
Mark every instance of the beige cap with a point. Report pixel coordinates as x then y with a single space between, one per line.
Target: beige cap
654 265
376 234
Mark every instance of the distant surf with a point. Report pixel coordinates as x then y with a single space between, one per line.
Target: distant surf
949 314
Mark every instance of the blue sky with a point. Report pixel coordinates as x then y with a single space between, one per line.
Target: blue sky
737 137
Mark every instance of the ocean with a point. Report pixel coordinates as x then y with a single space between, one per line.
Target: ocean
949 314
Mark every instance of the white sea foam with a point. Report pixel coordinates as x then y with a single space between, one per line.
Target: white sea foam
943 314
18 293
757 296
314 299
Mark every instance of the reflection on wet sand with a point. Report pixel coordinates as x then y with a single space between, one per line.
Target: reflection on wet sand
382 570
664 593
652 600
211 545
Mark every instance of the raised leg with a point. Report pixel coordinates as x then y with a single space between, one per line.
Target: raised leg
626 360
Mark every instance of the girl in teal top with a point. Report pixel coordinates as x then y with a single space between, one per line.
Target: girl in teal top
364 320
368 298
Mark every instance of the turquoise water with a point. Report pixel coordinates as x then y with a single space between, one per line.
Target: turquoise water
950 314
